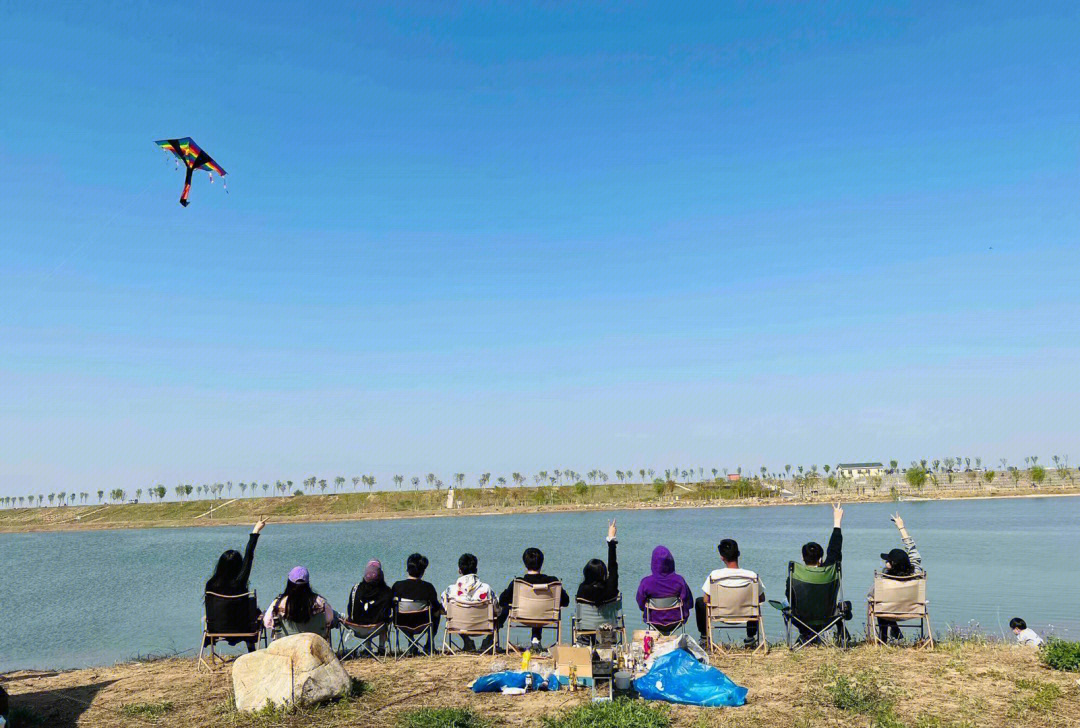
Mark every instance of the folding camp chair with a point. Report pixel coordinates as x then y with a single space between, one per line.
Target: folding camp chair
467 620
658 606
536 606
589 619
899 599
734 602
418 624
231 618
372 639
815 604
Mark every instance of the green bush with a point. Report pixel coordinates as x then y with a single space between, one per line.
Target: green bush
1061 655
441 718
615 714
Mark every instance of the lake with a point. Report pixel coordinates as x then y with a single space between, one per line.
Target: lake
77 599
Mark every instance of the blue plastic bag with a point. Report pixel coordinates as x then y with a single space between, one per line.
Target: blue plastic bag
496 681
678 678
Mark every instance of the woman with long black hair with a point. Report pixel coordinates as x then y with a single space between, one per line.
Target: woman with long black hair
299 608
230 579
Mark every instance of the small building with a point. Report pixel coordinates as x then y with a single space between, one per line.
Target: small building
734 477
859 470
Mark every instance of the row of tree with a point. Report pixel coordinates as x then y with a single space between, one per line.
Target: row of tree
917 475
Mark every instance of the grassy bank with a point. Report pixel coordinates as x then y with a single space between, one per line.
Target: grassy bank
954 686
475 501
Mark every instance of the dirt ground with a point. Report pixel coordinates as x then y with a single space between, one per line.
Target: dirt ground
953 686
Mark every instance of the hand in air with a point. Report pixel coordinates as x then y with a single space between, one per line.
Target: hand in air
612 531
837 515
898 521
259 526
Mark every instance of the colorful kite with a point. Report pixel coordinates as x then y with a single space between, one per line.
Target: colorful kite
187 151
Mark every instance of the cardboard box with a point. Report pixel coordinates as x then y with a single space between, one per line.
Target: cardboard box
566 655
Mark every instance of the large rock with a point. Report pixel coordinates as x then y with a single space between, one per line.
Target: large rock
300 669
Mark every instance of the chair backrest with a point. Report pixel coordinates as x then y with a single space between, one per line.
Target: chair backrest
316 624
813 591
735 597
470 617
412 609
536 602
899 594
232 613
590 617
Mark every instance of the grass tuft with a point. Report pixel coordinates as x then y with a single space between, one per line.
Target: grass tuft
441 718
1061 655
863 693
620 713
150 711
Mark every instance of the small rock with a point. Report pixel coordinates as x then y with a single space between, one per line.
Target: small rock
301 669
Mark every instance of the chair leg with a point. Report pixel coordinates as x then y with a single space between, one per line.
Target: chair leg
202 648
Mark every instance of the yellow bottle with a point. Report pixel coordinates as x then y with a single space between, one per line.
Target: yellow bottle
526 658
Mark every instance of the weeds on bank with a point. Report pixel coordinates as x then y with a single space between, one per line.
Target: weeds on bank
1061 655
1039 697
615 714
864 693
441 718
149 711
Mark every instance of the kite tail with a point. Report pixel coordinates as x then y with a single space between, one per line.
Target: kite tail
187 188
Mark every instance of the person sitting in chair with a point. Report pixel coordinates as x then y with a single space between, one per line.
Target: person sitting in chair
468 589
812 554
298 608
600 583
533 558
729 554
230 579
898 562
371 601
664 583
415 589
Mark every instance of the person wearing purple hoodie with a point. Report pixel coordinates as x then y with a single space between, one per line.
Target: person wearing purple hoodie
663 583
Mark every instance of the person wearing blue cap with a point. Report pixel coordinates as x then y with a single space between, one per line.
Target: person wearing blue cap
299 603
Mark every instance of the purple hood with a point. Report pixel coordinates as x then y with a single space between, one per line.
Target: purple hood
664 582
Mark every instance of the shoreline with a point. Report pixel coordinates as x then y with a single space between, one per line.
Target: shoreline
956 684
73 525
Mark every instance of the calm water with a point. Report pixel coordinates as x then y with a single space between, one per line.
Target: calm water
79 599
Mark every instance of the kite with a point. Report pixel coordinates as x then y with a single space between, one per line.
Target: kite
187 151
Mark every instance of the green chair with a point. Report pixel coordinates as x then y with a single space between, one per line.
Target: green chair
815 604
316 624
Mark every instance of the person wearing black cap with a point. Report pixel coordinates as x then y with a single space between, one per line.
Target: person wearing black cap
899 562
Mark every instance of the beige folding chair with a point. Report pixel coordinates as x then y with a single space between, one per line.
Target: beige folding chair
234 608
589 619
536 606
900 599
417 627
734 602
470 619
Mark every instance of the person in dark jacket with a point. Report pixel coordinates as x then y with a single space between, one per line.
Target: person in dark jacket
533 558
600 582
414 588
230 578
664 583
812 556
371 601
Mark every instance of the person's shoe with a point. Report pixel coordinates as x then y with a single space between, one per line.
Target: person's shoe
535 646
750 642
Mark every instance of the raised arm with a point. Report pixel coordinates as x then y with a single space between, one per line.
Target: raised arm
612 559
249 552
833 553
909 543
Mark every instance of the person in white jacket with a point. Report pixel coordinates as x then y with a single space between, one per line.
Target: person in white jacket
468 589
1025 636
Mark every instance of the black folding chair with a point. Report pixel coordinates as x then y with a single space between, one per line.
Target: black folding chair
231 618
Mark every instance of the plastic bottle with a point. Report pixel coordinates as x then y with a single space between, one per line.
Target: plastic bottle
526 658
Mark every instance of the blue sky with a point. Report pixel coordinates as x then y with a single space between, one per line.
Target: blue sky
509 236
